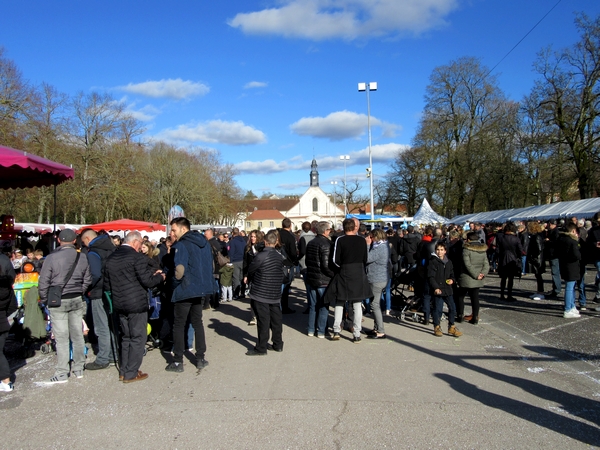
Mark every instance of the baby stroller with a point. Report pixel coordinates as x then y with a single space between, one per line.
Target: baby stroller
409 306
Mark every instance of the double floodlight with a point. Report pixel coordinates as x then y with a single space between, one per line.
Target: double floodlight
363 86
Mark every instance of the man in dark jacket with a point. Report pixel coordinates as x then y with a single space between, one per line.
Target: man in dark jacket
408 246
288 243
128 276
266 275
567 251
552 234
318 275
66 318
99 249
192 281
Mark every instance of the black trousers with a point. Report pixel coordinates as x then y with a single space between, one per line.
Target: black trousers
181 310
268 317
134 328
4 366
460 304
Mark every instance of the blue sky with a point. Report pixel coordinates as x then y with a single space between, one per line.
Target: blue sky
272 83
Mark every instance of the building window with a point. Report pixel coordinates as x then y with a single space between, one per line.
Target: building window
271 224
315 204
248 225
259 225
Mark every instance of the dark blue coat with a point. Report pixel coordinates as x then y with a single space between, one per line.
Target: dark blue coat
193 252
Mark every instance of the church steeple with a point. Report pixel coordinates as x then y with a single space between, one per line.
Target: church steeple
314 174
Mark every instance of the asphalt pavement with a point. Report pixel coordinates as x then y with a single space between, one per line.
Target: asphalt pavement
524 377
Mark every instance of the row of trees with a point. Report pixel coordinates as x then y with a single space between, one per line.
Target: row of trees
117 174
476 150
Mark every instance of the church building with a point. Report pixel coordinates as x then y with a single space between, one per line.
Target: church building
314 204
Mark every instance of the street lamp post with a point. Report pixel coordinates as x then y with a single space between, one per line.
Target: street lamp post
372 86
345 158
334 183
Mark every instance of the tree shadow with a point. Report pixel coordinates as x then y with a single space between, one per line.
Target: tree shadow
575 405
559 423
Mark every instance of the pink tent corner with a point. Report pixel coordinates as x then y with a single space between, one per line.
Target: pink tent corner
20 169
127 225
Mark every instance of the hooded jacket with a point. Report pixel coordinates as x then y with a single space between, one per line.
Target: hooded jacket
98 250
567 251
438 271
474 262
193 277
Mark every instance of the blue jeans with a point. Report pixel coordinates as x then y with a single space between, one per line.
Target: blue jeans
106 338
315 303
388 295
66 325
569 295
426 302
438 307
523 264
556 282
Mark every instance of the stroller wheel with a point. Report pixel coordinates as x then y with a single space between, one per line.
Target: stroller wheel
45 349
402 316
157 343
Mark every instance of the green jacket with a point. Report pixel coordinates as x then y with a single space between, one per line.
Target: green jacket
475 261
226 275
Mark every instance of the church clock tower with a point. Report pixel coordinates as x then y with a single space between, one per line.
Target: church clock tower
314 174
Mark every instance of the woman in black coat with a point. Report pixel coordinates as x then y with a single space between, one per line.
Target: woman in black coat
535 256
8 305
509 260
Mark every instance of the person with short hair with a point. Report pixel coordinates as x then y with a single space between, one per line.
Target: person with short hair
440 274
350 284
266 274
68 317
192 281
128 276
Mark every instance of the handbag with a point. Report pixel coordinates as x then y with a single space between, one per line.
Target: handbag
54 295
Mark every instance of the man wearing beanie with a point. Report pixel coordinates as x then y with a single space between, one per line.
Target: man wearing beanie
67 318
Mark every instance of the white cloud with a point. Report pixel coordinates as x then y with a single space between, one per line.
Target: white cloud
177 89
214 131
340 125
255 84
381 154
346 19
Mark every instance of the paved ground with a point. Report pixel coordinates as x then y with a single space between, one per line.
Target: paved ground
523 378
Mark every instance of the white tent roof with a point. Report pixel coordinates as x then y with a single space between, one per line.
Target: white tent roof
582 209
426 215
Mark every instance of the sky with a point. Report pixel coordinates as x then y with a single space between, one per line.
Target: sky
272 84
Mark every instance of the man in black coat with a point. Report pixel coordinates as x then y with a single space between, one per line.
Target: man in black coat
128 276
8 305
266 275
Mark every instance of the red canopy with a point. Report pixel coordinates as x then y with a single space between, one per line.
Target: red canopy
19 169
127 225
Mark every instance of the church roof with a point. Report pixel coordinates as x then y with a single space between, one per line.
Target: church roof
281 204
262 214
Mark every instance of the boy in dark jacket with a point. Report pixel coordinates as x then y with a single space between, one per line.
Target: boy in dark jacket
441 277
266 274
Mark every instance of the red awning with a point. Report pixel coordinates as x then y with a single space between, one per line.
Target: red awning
127 225
20 169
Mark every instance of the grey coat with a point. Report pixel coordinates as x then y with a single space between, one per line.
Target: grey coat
378 269
475 261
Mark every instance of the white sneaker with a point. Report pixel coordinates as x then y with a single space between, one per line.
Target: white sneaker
310 334
537 297
55 380
571 314
6 387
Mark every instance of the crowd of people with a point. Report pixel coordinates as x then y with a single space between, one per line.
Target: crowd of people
118 285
